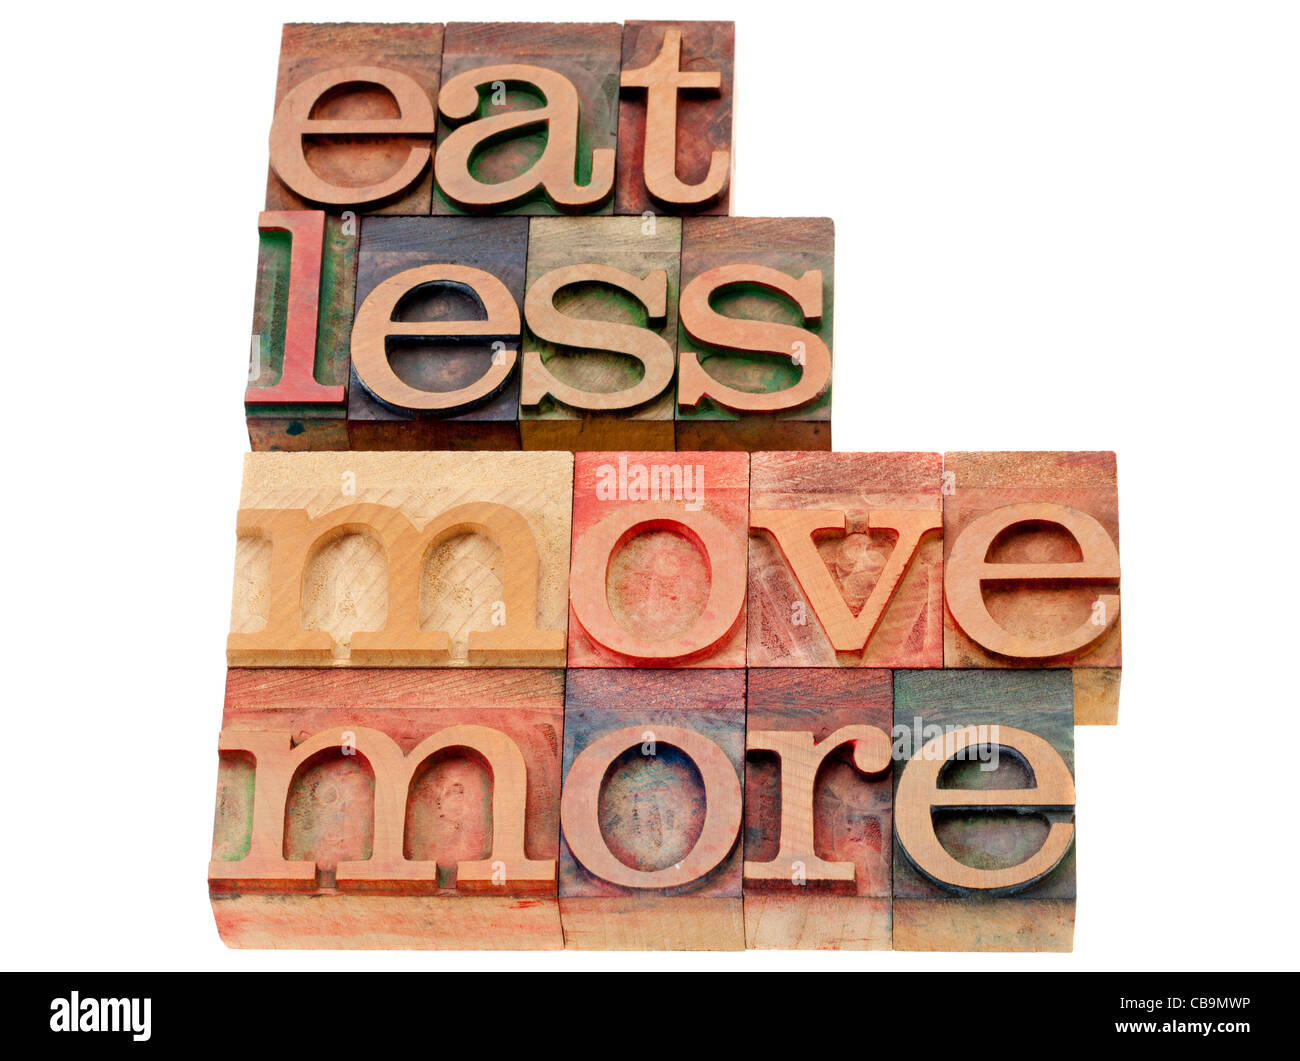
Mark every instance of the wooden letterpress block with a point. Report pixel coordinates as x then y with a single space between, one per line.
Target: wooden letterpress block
658 573
600 335
651 810
818 809
355 117
755 327
435 344
402 560
527 118
845 560
1031 568
388 809
674 118
983 844
302 326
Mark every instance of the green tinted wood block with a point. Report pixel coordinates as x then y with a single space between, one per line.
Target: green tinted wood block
1039 916
792 247
637 248
283 426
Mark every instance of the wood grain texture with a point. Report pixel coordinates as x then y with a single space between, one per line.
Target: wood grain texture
1045 925
878 585
1096 695
652 797
579 376
1036 916
1039 609
689 116
835 892
375 589
755 363
442 362
354 159
565 167
659 560
420 809
311 319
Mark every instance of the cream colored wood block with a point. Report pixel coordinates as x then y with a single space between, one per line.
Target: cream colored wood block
402 560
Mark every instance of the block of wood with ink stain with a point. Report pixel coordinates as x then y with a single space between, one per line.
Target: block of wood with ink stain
1032 568
984 854
402 560
818 809
388 809
659 560
435 343
528 118
355 117
845 560
651 810
674 118
302 327
755 333
600 333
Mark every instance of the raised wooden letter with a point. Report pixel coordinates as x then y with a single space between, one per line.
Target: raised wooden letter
306 280
818 800
658 576
674 123
498 150
1032 568
436 340
983 810
354 117
651 810
375 326
920 795
845 560
601 333
388 809
755 286
967 571
464 563
549 324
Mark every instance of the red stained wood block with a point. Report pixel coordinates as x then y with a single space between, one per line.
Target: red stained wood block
651 810
435 343
302 324
1031 568
674 118
756 320
528 118
845 560
984 856
818 809
355 117
388 809
659 560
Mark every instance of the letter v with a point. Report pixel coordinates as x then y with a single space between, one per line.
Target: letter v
793 530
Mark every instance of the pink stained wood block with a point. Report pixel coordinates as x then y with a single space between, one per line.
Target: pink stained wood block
388 808
1031 614
659 560
850 570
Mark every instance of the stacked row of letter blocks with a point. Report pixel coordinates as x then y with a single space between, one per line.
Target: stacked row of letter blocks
671 674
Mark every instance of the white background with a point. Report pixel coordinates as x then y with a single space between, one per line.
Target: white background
1059 226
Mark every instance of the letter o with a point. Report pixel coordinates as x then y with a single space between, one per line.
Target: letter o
580 808
726 560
